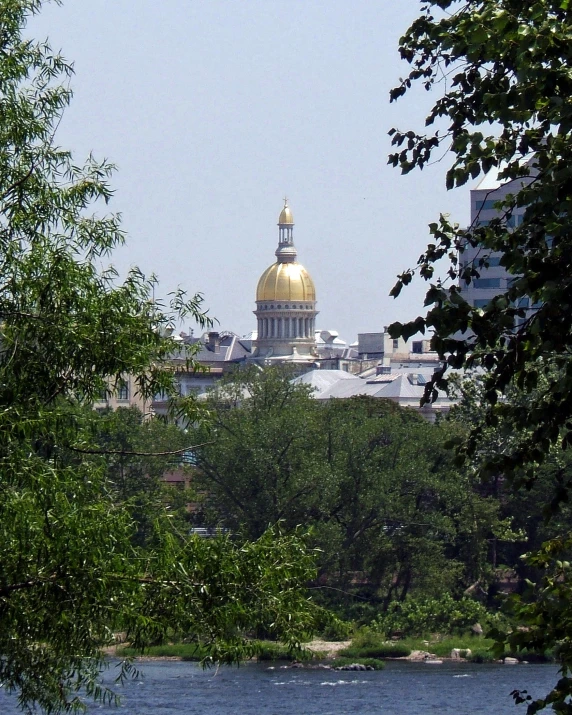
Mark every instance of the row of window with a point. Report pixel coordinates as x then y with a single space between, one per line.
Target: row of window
523 303
491 261
487 283
486 205
121 392
287 307
511 221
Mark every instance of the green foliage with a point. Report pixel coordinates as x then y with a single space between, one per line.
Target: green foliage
367 643
388 511
261 650
367 637
387 650
481 655
524 512
335 630
136 453
465 642
266 650
75 566
185 651
506 105
431 615
545 611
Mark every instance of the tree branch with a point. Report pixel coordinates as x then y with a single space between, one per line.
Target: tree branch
136 454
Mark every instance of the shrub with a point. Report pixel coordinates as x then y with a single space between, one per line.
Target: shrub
481 656
267 650
380 651
532 656
444 647
336 630
367 638
431 615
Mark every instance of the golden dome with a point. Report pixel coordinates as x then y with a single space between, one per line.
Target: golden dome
286 215
286 281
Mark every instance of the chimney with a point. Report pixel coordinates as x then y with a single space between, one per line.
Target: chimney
213 342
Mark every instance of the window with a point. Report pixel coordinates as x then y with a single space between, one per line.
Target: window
417 346
122 390
487 283
486 205
485 261
396 344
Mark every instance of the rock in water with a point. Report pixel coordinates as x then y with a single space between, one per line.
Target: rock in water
353 666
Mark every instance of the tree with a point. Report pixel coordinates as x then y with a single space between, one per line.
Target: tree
388 512
72 573
504 69
525 509
259 460
503 64
136 453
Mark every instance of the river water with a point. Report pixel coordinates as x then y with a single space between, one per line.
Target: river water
403 688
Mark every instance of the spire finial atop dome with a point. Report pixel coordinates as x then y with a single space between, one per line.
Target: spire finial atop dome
286 218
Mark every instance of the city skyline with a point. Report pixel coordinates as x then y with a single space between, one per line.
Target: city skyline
212 116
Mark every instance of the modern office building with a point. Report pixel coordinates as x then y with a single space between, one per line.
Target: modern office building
493 279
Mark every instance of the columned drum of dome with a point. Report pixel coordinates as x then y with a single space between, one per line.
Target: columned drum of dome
285 303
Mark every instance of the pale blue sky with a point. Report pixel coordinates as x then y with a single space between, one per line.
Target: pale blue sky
213 110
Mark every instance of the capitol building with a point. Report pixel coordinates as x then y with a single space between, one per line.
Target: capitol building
285 305
376 365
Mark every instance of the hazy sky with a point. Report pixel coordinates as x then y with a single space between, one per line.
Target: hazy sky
213 110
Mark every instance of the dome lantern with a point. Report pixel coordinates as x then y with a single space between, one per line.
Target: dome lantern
286 251
286 218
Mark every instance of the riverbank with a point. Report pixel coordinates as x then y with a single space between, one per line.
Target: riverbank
366 648
316 650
